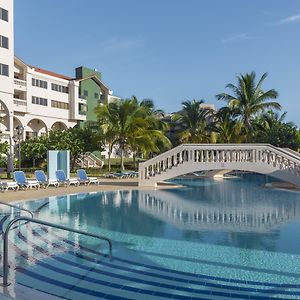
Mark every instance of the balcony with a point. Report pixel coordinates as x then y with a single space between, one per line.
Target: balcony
81 100
20 85
20 105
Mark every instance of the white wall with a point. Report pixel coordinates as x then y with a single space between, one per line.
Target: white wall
7 58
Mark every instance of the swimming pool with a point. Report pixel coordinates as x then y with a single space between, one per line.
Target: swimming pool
211 239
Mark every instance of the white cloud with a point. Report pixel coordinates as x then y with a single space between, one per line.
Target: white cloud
236 38
291 19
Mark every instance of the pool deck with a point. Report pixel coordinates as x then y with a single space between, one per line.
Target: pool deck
105 185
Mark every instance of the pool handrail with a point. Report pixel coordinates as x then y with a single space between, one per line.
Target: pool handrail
37 221
17 207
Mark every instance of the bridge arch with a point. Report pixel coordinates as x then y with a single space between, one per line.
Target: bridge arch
265 159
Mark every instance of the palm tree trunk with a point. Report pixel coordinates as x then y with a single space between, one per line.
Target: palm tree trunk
109 155
122 160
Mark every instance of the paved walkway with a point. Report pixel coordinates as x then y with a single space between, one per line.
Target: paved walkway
105 185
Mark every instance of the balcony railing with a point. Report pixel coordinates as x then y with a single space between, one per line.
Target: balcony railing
20 105
20 84
20 102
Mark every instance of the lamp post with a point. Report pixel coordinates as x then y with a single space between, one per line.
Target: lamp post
17 138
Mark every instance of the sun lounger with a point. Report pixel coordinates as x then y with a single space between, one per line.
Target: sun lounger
4 186
62 179
22 181
42 179
83 178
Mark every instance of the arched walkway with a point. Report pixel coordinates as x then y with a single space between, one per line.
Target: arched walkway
59 126
35 127
266 159
4 117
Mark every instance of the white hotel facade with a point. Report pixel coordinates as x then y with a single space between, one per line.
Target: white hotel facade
36 99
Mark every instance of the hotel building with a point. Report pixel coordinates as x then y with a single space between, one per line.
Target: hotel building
41 100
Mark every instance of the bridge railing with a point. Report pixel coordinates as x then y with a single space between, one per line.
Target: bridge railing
277 158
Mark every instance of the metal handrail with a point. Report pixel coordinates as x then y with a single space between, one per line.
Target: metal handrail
12 222
17 207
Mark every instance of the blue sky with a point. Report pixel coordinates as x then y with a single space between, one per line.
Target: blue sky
170 50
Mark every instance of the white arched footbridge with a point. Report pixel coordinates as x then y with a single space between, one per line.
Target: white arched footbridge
265 159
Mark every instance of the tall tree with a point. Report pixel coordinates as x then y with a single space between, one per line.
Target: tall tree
131 125
227 128
271 128
192 122
248 99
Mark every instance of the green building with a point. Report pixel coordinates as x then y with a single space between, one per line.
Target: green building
93 90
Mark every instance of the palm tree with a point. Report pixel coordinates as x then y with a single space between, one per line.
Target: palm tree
271 128
249 99
192 121
227 128
130 125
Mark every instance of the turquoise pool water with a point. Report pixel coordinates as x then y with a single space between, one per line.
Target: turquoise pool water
211 239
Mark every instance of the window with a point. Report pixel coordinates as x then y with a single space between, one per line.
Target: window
39 101
3 14
85 93
4 70
39 83
58 104
82 109
3 41
96 95
59 88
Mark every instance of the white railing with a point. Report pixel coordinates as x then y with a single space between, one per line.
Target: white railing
20 82
186 158
251 216
89 160
20 102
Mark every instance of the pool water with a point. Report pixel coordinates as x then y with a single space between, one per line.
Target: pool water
211 239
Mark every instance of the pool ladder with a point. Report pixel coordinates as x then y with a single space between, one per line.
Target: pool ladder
37 221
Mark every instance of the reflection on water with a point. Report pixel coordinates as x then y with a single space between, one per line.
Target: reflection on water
239 213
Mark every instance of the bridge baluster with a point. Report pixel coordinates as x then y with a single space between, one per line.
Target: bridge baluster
180 157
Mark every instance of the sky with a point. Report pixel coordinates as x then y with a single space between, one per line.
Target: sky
167 50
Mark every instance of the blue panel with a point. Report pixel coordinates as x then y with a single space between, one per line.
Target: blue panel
58 160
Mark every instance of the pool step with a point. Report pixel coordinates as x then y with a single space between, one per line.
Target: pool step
45 260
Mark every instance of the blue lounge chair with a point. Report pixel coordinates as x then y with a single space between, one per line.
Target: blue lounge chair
62 179
83 178
42 179
22 181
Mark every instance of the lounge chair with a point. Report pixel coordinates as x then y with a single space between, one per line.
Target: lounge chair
4 186
42 179
83 178
62 179
22 181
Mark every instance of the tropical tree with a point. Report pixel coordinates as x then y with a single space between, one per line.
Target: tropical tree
227 128
131 125
271 128
192 122
248 99
4 149
35 149
77 140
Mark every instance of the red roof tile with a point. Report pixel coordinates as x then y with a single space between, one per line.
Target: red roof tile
43 71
